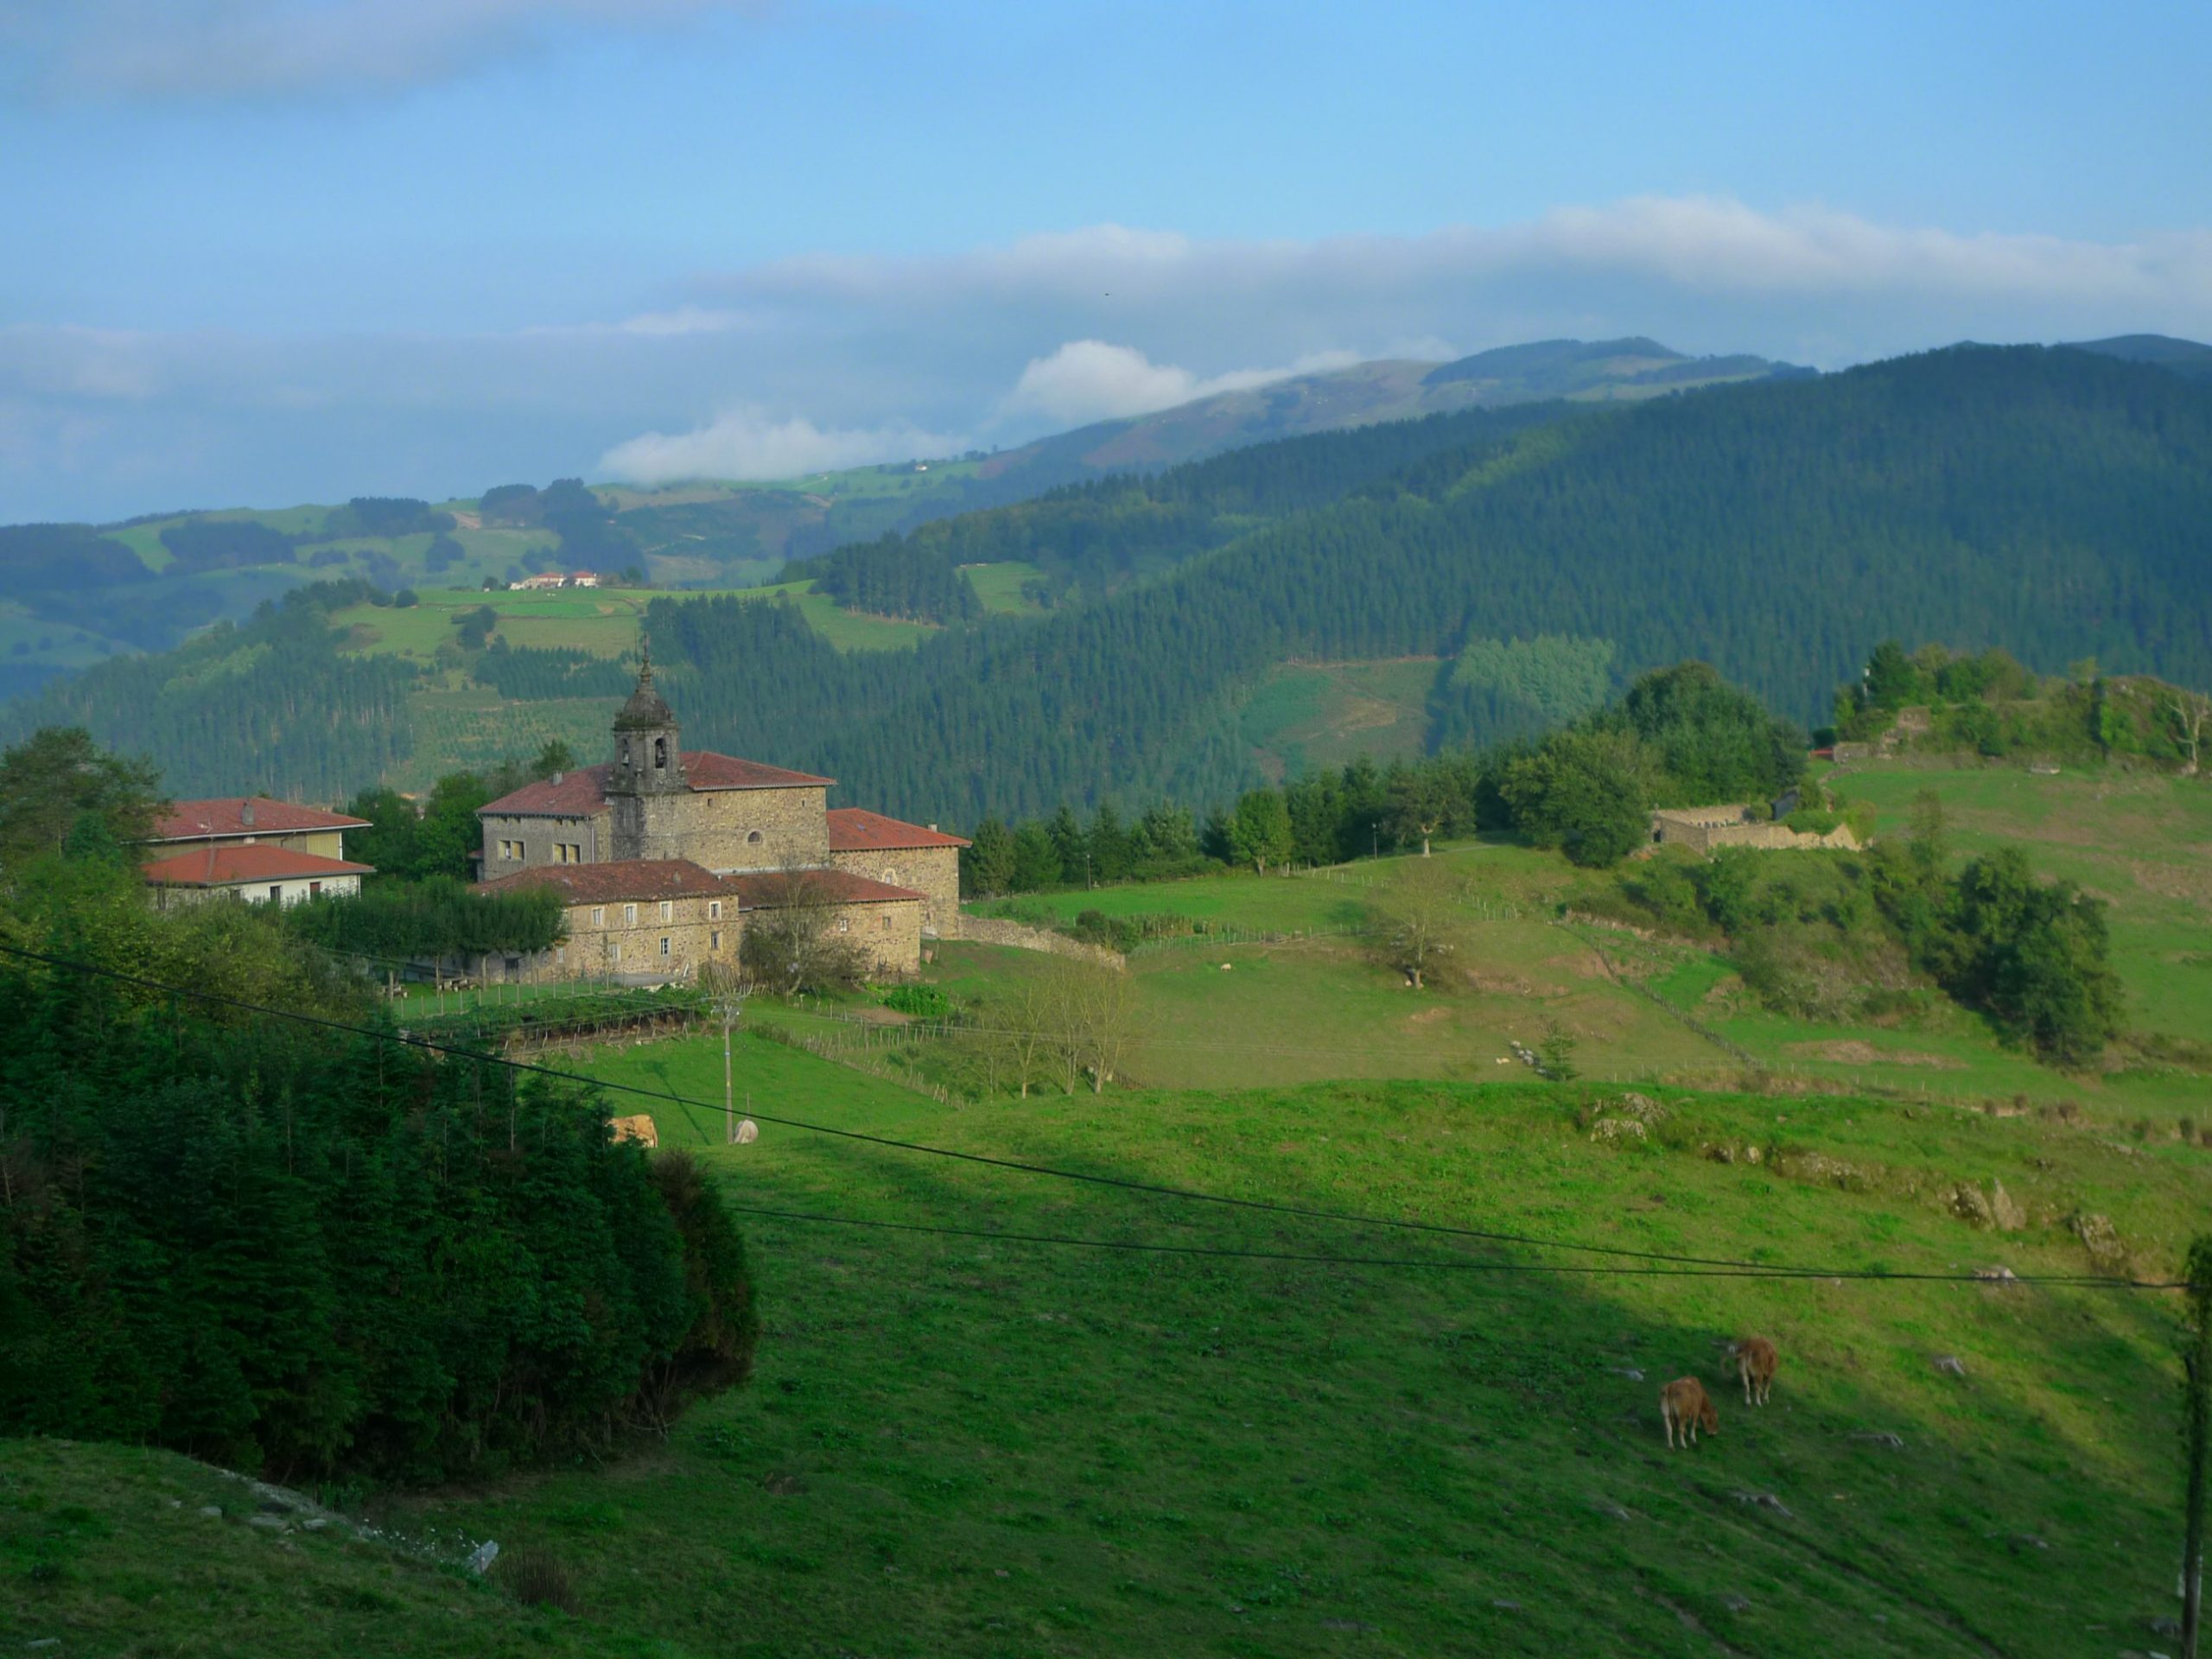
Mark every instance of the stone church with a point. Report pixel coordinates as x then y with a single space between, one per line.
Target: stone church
660 853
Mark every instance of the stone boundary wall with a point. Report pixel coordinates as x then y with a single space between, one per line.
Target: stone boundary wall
992 930
1774 835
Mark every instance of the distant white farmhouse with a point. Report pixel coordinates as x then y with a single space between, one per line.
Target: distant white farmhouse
556 579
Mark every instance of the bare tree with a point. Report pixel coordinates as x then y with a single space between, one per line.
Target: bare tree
728 984
2191 711
1087 1013
791 941
1028 1039
1417 920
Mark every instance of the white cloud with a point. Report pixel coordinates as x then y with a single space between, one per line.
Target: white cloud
870 358
1090 380
749 444
227 48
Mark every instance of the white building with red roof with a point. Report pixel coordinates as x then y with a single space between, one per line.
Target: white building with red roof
251 848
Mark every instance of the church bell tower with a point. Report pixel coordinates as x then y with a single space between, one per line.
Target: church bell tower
648 765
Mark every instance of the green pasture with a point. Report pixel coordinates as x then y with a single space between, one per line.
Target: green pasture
105 1550
981 1446
998 587
28 638
2140 841
1306 717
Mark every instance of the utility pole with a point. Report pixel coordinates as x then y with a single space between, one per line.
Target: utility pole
729 1003
2198 1420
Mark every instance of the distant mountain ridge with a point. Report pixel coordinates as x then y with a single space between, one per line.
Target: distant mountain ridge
1389 388
2186 357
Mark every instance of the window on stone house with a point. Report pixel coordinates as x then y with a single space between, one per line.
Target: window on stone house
714 941
844 923
614 952
315 889
663 944
887 921
668 910
598 915
714 910
629 915
660 753
753 838
277 893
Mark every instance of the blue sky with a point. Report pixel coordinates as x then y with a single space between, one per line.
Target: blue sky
273 250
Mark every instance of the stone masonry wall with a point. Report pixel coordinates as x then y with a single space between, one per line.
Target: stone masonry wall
933 872
991 929
625 941
718 828
888 933
538 836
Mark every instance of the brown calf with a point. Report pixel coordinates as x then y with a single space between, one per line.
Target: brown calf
1684 1408
1755 1364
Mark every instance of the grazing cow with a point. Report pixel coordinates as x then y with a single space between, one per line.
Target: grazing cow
1755 1362
1684 1407
639 1128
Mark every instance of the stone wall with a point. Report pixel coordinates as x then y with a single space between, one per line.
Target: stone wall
730 830
539 837
992 930
933 872
1704 837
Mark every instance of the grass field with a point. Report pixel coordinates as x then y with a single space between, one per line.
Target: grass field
999 588
2140 842
963 1445
1317 716
981 1441
1311 1009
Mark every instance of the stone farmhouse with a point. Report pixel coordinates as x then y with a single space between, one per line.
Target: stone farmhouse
251 848
660 853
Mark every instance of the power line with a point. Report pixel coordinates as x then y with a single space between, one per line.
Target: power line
1461 1264
1736 1267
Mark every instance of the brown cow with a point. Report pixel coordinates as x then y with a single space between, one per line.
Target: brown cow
1755 1364
1684 1407
639 1128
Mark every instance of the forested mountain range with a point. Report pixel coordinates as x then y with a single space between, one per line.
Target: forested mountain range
73 594
2056 502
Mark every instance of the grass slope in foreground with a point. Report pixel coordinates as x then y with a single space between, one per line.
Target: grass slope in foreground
959 1445
103 1549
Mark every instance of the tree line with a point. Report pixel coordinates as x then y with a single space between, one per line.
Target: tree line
310 1253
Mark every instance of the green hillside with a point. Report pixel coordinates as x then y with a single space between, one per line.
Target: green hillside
999 1413
2054 502
1099 1451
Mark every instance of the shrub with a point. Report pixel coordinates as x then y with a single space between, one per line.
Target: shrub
536 1577
922 1001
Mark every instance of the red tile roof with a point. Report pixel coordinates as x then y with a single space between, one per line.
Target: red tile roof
201 820
576 794
775 889
230 867
707 769
583 791
629 877
857 829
